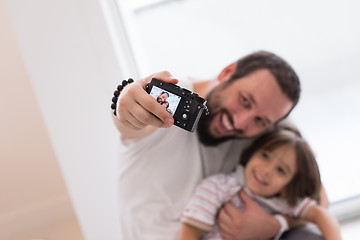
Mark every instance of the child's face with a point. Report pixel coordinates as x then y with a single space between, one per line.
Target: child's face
268 172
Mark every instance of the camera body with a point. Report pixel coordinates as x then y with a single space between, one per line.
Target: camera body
185 106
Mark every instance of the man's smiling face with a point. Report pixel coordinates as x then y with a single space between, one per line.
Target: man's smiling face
244 108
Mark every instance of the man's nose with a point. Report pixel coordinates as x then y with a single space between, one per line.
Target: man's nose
242 121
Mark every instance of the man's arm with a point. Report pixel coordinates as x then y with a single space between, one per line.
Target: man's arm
137 114
252 223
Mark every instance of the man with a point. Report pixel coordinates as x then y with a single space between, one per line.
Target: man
162 97
160 165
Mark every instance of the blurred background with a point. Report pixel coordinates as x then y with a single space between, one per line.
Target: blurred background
60 62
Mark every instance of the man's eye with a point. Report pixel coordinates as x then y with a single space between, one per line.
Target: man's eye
245 101
260 121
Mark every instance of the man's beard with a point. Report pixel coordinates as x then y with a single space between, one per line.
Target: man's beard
203 131
215 108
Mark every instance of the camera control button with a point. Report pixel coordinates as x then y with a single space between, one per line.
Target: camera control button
185 116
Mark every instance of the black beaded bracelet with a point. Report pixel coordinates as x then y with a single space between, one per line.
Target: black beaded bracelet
118 91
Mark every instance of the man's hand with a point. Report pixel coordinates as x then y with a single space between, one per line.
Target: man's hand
252 223
138 114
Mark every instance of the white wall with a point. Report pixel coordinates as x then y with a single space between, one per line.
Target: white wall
71 64
32 190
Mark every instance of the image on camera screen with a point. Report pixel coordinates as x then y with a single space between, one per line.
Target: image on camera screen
167 99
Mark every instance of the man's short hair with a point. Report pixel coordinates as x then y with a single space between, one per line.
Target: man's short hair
285 75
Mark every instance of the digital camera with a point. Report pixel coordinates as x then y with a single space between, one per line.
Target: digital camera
185 106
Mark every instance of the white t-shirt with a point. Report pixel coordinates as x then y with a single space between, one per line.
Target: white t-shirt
158 175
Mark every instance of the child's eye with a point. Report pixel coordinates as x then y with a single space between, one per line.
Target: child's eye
265 155
281 171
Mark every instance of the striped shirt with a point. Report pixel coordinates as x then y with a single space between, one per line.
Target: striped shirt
218 189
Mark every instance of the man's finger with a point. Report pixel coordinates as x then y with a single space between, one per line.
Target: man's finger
224 222
225 219
230 210
158 111
224 215
146 109
164 76
245 197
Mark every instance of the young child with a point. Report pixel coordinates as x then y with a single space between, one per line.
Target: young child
279 171
166 105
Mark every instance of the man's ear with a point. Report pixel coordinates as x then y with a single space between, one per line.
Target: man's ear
227 72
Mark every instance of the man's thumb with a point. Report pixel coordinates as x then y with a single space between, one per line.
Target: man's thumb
245 197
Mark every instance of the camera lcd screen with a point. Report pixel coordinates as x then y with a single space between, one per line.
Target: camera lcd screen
167 99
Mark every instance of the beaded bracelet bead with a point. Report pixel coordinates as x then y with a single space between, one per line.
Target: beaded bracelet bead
118 91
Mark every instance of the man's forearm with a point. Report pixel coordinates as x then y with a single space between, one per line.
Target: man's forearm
127 133
274 227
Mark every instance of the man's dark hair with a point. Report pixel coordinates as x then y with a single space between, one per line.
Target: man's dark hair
163 93
285 75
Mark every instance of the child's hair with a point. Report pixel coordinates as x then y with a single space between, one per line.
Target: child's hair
306 181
